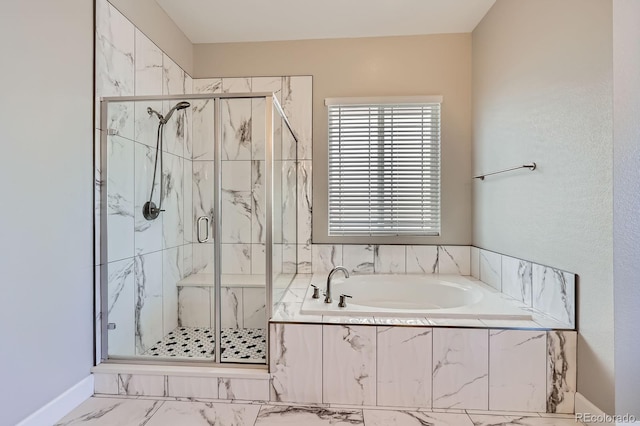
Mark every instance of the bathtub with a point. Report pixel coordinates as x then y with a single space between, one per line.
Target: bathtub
435 296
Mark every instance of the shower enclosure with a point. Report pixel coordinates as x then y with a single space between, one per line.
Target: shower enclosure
197 225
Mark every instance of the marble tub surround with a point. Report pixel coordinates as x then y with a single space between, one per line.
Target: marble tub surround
550 292
103 411
424 367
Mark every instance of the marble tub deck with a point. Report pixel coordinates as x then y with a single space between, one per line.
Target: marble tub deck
108 411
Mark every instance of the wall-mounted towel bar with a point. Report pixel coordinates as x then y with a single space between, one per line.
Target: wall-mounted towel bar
531 167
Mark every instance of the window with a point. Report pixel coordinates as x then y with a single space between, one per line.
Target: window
384 166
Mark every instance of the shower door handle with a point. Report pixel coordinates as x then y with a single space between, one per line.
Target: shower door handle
198 233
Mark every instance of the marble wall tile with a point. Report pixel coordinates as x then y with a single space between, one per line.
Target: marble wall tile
297 95
475 262
244 389
404 366
349 357
254 307
203 128
121 311
304 259
172 272
207 85
454 260
148 233
139 384
262 84
388 259
236 258
203 194
358 258
258 204
325 257
148 81
173 83
236 129
516 279
517 370
187 260
148 66
460 368
231 307
296 363
194 307
192 387
106 384
422 259
258 259
172 217
236 216
188 119
202 258
289 258
115 69
148 301
236 85
188 209
289 204
120 198
561 371
236 176
305 195
554 293
491 269
146 125
267 84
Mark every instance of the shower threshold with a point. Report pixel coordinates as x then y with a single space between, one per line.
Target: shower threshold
238 345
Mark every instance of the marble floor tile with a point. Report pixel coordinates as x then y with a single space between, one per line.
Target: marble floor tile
414 418
174 413
111 411
307 416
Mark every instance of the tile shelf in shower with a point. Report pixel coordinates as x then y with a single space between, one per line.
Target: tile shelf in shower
228 280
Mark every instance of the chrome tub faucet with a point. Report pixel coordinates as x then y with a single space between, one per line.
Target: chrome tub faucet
327 298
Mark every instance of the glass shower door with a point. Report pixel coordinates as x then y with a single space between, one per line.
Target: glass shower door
157 296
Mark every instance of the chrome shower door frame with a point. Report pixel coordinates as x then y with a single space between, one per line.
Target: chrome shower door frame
270 100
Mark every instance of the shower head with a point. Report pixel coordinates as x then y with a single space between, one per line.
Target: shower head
163 120
178 106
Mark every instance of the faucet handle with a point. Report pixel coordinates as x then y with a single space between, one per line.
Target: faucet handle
316 292
343 303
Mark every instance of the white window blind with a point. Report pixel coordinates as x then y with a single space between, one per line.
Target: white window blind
384 168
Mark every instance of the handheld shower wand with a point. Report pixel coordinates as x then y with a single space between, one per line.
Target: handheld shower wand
149 210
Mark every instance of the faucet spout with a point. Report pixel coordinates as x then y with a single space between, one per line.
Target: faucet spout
327 298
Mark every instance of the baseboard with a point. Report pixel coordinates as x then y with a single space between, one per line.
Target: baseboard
62 404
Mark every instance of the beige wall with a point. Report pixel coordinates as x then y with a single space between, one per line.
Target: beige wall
542 91
416 65
46 236
626 231
154 22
